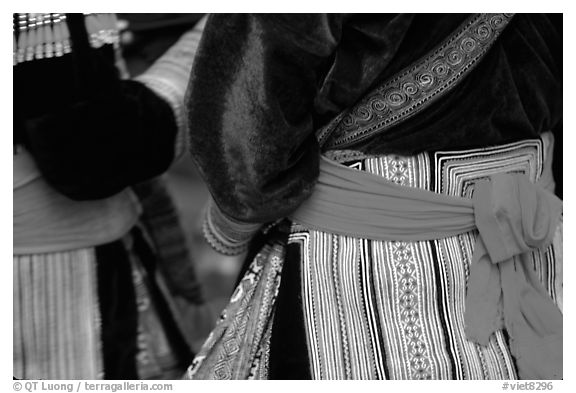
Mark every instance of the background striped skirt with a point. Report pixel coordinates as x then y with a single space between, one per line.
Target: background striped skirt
352 308
94 313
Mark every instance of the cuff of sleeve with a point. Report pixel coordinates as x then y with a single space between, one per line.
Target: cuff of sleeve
227 235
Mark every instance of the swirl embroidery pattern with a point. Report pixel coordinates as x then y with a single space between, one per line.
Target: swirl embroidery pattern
412 89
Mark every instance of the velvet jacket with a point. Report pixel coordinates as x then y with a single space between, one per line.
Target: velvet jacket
263 84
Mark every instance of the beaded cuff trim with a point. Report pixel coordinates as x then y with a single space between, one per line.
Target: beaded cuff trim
224 234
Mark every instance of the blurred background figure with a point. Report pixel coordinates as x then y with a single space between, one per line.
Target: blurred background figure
145 37
104 285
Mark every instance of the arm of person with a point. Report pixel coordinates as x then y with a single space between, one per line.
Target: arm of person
250 105
168 78
116 132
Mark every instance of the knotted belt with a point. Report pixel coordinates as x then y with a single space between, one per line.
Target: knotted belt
512 215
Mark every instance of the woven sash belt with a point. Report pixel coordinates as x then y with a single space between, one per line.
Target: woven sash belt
513 216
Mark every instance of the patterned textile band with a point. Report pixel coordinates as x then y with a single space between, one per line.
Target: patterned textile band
417 86
513 214
239 345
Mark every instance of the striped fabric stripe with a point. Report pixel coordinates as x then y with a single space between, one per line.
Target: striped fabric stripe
56 316
395 310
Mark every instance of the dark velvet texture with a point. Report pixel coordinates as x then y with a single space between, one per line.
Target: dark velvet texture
90 133
118 312
262 85
248 72
288 347
514 93
94 149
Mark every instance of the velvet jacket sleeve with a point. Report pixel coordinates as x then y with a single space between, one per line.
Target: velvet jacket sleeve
250 103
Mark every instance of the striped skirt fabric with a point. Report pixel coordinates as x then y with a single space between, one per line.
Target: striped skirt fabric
56 316
345 307
394 309
64 330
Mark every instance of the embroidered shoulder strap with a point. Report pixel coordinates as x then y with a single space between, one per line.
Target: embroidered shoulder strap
417 86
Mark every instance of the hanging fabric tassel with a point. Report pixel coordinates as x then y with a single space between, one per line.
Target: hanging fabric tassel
102 29
48 36
93 29
106 30
15 47
22 37
40 37
65 35
58 34
109 26
113 30
32 40
14 54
